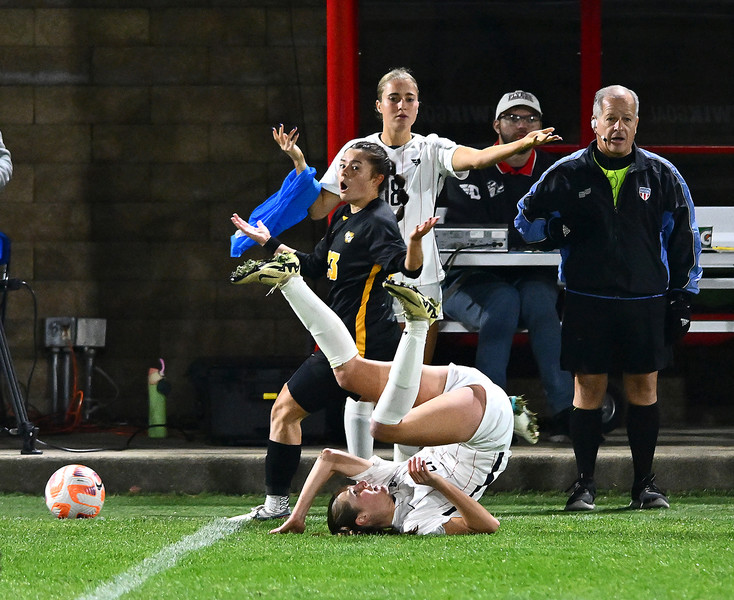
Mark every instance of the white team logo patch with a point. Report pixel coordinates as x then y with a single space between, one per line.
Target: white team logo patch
585 193
348 237
471 190
644 193
494 188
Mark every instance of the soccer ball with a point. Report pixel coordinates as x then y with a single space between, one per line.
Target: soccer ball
75 492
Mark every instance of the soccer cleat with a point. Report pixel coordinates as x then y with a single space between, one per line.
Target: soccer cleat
646 494
262 513
582 496
415 304
274 272
526 421
246 272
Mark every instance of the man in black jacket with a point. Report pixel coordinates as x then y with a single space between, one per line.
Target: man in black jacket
625 223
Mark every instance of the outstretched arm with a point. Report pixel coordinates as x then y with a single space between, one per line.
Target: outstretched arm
466 158
287 143
414 257
474 517
324 204
260 234
330 462
326 201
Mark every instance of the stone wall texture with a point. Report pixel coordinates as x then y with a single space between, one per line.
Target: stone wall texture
136 128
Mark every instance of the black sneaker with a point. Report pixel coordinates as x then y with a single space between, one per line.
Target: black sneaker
582 496
646 494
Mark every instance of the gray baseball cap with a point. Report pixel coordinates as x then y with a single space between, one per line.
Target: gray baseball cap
517 98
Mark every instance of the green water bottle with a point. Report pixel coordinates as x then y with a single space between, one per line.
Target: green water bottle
156 403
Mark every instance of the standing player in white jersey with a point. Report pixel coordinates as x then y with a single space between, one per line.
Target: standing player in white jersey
424 162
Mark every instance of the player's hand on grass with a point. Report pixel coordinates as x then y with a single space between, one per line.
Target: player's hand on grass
292 525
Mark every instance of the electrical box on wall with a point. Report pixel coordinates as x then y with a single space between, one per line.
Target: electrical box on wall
90 333
60 332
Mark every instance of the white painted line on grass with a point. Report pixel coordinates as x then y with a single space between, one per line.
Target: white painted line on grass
162 560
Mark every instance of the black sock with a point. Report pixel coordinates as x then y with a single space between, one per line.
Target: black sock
281 464
585 429
643 425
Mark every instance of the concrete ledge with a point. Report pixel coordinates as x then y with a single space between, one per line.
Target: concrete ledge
690 461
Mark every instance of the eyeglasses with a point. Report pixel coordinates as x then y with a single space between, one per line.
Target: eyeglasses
529 119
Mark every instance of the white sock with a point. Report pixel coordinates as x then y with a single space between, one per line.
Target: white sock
276 504
404 380
330 333
357 428
401 452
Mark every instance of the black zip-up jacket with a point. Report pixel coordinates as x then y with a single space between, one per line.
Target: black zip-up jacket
646 245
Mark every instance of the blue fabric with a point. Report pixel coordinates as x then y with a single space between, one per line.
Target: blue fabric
4 249
282 210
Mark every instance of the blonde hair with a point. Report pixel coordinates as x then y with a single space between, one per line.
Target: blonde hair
397 73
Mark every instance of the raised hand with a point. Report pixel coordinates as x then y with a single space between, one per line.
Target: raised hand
260 234
287 143
423 228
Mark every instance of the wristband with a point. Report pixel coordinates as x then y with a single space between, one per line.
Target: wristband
272 244
414 274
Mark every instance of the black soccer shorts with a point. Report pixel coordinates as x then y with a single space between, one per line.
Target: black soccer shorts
603 335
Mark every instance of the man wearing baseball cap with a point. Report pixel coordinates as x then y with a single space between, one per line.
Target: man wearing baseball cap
495 302
517 98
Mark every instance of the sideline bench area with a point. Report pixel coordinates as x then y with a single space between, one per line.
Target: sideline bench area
718 268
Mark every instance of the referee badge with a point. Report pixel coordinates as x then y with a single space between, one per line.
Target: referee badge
644 193
348 237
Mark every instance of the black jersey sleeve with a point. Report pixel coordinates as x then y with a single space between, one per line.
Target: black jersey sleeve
314 264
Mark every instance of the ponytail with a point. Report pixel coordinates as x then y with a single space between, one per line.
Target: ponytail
401 195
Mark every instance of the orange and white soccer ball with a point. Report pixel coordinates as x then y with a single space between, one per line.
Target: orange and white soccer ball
75 492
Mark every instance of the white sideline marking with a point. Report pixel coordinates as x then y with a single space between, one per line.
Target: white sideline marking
162 560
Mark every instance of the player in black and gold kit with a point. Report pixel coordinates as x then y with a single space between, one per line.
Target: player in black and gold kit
362 246
356 255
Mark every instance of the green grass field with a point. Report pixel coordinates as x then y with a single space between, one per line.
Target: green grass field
181 547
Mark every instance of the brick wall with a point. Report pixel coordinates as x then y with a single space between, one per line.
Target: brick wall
135 132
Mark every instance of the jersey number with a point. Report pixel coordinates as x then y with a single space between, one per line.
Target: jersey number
394 188
332 259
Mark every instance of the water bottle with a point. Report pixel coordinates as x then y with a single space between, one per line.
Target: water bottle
157 389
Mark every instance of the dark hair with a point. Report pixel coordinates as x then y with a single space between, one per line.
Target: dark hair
341 517
382 165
